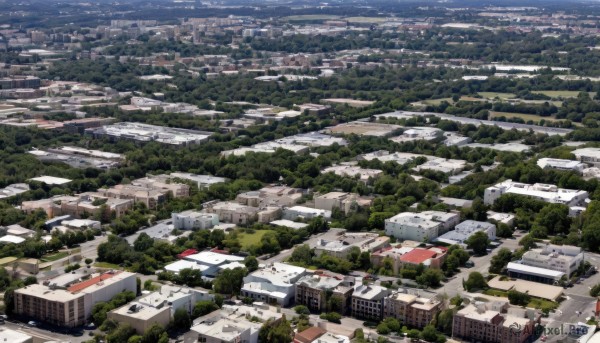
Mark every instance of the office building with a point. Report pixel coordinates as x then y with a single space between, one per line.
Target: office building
343 244
547 264
354 172
588 155
194 220
273 284
560 164
303 212
147 133
234 213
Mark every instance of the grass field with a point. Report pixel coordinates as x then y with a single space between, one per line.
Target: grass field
106 265
309 17
493 95
7 260
435 102
247 240
54 257
534 302
366 20
560 94
523 116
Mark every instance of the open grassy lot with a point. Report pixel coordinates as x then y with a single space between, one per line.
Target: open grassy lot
538 303
249 239
560 94
7 260
106 265
366 20
54 256
309 17
523 116
435 102
494 95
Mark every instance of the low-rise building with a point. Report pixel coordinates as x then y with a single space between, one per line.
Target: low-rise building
560 164
82 205
343 201
400 257
194 220
418 133
203 181
147 133
498 217
368 300
71 307
12 190
271 196
343 244
314 291
543 192
466 229
303 212
588 155
275 283
233 212
444 165
420 227
208 262
562 258
13 336
415 308
494 322
351 171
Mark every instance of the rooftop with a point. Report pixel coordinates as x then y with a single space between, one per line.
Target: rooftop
51 180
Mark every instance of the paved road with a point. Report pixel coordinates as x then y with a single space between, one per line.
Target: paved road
40 336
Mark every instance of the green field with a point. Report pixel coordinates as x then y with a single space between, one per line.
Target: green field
523 116
54 257
310 17
6 260
560 94
107 265
366 20
494 95
249 239
538 303
435 102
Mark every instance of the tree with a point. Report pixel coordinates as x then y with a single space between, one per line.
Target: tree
251 263
527 242
204 307
518 298
474 282
230 281
143 242
301 309
182 320
500 260
429 333
121 334
430 277
503 230
30 280
552 219
302 255
279 332
479 242
153 334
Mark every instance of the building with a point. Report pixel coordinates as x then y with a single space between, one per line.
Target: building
530 273
315 334
317 109
343 244
148 190
363 128
275 283
158 307
203 181
492 322
271 196
209 262
362 174
303 212
498 217
194 220
466 229
560 164
71 307
420 227
13 336
444 165
418 133
588 155
315 290
368 300
82 205
412 307
562 258
147 133
543 192
14 189
401 257
234 213
343 201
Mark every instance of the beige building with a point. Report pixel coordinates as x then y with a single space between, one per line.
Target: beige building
71 307
411 309
368 300
86 204
141 317
314 291
270 196
341 200
234 213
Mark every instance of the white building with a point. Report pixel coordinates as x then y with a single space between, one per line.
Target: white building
505 218
424 226
203 181
14 189
588 155
342 245
560 164
210 262
539 191
466 229
275 283
363 174
368 301
295 212
562 258
418 133
444 165
194 220
13 336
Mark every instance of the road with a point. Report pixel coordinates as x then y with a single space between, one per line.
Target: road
40 336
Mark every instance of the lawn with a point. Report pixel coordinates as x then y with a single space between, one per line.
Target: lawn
493 95
560 94
366 20
523 116
309 17
435 102
54 257
541 304
6 260
106 265
496 293
249 239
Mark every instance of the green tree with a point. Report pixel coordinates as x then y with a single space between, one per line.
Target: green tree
500 260
278 332
479 242
204 307
229 281
429 333
153 334
528 242
182 320
518 298
121 334
302 255
251 263
430 277
474 282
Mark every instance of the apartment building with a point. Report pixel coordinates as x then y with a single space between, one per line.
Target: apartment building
343 201
368 300
341 246
466 229
72 306
421 227
303 212
273 284
543 192
416 308
270 196
401 256
194 220
234 213
78 206
314 291
494 323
